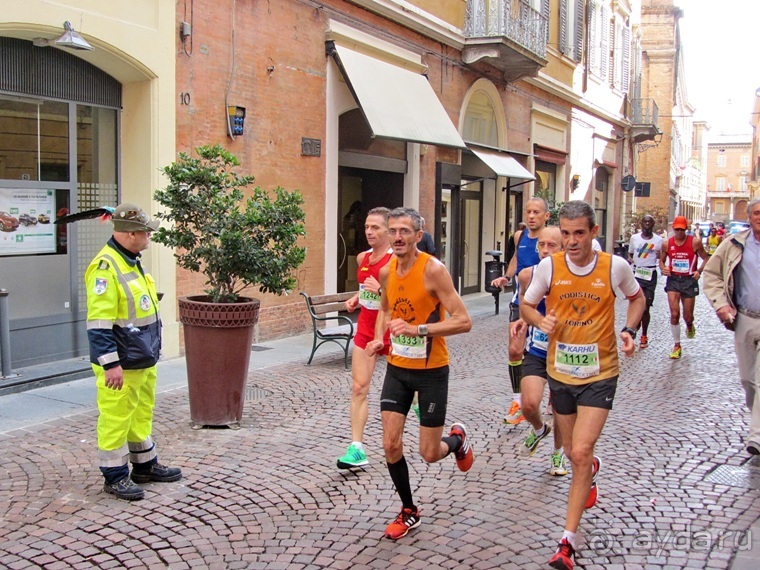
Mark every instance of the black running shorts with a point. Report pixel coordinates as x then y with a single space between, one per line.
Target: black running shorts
432 386
688 287
648 288
567 397
533 365
514 312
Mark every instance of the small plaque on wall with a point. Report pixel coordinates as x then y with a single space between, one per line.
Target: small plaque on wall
311 147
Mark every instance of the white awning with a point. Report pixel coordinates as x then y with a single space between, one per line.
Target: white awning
503 164
397 103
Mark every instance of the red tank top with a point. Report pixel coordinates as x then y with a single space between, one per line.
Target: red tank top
682 260
369 302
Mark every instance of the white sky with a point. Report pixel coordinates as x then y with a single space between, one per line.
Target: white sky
721 59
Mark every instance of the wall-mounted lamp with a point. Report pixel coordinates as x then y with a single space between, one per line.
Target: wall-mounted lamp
575 181
69 39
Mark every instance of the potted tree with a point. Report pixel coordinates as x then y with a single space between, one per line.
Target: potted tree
236 242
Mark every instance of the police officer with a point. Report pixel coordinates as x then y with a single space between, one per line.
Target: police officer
124 332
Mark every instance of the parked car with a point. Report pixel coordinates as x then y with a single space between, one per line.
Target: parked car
27 220
44 218
8 223
736 227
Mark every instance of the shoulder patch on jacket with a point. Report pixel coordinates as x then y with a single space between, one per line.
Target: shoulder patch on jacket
103 264
100 286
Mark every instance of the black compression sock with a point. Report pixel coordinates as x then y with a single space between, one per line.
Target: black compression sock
515 375
453 441
400 475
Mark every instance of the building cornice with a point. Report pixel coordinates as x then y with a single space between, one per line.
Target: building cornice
414 18
554 87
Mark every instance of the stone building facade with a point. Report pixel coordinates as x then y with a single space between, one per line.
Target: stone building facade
729 170
462 109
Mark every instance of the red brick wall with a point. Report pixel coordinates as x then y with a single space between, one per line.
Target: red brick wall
280 78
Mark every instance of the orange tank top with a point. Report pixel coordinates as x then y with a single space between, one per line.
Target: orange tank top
409 300
583 348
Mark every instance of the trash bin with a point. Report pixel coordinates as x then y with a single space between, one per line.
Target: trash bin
621 249
494 269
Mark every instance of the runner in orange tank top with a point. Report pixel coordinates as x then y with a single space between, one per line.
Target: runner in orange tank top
581 359
417 292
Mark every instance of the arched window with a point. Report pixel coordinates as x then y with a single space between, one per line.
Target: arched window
480 124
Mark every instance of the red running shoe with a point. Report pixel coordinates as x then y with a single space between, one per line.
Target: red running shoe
593 493
406 520
563 558
464 454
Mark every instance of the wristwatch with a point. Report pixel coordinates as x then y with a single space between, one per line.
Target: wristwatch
422 330
630 331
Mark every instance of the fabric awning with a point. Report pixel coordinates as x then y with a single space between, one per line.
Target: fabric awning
503 164
397 103
548 155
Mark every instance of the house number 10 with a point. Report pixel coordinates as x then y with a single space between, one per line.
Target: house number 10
184 98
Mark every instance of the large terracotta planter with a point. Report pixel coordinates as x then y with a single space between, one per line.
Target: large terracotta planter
218 340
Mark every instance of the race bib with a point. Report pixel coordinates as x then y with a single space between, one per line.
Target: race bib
681 265
578 360
368 299
644 273
540 339
409 346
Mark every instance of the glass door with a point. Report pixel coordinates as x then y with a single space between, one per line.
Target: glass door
470 230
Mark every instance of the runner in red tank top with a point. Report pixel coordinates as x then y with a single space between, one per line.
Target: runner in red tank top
682 285
362 363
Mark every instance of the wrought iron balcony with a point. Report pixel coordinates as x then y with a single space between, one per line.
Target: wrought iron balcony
644 120
730 194
509 34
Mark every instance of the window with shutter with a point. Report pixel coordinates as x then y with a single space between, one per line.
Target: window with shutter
545 13
579 27
605 43
625 65
563 39
593 48
614 54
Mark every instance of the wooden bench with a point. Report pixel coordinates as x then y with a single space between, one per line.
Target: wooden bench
320 307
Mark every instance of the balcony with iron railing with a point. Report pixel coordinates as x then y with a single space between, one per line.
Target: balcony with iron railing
508 34
731 194
644 120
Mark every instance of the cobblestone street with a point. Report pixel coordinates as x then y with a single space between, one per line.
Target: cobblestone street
677 488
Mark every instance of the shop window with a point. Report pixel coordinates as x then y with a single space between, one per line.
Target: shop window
35 140
546 181
599 201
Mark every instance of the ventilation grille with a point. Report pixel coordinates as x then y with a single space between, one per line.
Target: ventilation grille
52 73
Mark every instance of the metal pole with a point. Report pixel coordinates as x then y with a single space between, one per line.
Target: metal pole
5 335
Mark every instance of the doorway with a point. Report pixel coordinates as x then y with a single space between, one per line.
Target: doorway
360 190
469 228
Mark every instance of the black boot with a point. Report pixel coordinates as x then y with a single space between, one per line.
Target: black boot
155 473
125 489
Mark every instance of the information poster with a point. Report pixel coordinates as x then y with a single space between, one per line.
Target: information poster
26 221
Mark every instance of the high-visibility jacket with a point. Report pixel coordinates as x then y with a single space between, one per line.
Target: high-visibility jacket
123 322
